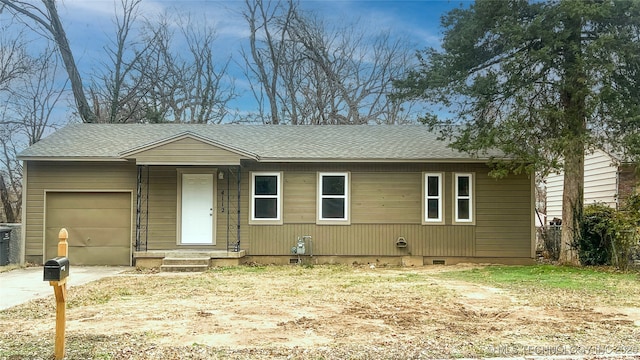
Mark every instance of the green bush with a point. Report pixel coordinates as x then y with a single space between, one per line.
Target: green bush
631 211
595 243
609 237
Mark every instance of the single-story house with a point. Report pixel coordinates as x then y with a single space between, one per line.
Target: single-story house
608 179
137 193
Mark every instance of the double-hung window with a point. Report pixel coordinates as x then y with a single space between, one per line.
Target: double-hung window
463 205
433 198
333 198
266 198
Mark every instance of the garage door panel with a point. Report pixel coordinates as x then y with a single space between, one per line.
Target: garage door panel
78 200
103 255
99 227
99 217
97 255
93 236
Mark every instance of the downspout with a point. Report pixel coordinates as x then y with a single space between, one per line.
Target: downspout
237 246
618 172
23 215
138 205
146 213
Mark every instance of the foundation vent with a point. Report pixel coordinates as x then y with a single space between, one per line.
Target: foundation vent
438 262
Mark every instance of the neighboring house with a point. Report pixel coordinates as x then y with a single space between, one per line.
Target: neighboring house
607 179
133 193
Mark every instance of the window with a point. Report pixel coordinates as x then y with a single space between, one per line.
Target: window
433 198
266 197
333 198
463 198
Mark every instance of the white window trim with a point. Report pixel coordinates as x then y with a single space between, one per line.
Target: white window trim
347 200
426 197
262 221
471 197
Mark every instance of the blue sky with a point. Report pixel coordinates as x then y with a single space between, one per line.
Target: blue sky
89 23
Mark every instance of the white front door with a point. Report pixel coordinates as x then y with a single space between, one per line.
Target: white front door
197 209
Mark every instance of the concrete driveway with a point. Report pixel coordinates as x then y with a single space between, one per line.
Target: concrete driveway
21 285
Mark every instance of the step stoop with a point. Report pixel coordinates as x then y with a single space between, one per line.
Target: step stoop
185 264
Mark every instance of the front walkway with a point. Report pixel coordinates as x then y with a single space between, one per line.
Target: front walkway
21 285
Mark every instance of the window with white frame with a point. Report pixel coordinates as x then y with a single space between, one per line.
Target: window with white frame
433 198
333 197
266 197
463 198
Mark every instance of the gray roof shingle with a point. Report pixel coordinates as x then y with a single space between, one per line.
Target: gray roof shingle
267 142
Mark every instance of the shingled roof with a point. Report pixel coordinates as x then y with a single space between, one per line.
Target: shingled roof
262 142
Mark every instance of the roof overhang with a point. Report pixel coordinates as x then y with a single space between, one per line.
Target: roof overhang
72 159
341 160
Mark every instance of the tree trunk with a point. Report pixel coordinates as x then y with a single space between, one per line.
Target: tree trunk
572 202
69 62
573 99
6 202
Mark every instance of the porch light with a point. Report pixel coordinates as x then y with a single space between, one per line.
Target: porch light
220 175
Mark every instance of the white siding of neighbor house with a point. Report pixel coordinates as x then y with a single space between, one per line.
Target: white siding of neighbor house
554 195
600 184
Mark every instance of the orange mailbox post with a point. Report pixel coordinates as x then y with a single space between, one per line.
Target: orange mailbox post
56 271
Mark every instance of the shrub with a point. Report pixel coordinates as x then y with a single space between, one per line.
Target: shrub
631 211
595 243
609 237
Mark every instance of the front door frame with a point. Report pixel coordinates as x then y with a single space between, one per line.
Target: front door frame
196 170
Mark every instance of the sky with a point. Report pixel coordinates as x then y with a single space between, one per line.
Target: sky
89 24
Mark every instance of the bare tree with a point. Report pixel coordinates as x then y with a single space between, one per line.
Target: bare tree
14 60
15 64
188 86
312 73
36 96
116 97
27 114
48 20
268 25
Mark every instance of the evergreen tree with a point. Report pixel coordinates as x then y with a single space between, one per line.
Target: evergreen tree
542 81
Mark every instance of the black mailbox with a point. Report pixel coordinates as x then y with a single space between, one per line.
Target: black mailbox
56 269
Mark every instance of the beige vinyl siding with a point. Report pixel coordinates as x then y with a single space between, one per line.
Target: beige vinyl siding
504 213
299 197
162 214
386 203
365 239
227 204
163 205
187 151
600 184
386 198
72 177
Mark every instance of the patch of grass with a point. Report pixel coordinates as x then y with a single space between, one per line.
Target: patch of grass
240 269
599 283
10 267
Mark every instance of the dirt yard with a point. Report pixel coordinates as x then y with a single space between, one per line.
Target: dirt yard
321 312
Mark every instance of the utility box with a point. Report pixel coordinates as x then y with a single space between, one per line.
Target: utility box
5 238
56 269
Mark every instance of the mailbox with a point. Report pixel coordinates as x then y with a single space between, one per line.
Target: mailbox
56 269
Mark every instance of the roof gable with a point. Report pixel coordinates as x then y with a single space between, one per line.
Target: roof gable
186 149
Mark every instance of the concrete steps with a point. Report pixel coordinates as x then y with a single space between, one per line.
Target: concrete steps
185 263
154 259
